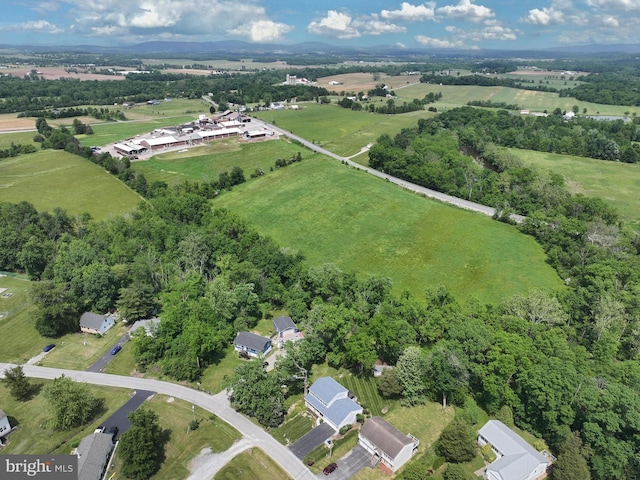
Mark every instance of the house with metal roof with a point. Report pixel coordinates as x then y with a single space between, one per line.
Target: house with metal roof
251 344
332 403
386 443
516 459
96 324
94 452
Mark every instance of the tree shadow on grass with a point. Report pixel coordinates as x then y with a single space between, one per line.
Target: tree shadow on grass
163 440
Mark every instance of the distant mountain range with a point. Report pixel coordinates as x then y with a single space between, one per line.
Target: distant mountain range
233 47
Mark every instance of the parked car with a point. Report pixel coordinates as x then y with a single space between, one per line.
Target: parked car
114 432
330 468
49 347
116 349
100 429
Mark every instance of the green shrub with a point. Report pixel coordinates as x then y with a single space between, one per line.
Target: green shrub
437 463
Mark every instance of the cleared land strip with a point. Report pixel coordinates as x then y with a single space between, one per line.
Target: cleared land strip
217 404
443 197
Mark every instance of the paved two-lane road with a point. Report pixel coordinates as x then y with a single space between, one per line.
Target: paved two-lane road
217 404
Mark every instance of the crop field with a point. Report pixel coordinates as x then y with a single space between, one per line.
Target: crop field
363 82
54 178
207 162
333 213
616 183
367 392
337 129
454 96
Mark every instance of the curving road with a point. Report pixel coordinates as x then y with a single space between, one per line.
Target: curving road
443 197
217 404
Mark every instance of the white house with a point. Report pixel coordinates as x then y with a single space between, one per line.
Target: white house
386 443
94 453
251 344
5 427
516 459
96 324
332 403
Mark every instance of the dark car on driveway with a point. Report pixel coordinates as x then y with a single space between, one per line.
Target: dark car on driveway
330 468
114 432
49 347
116 349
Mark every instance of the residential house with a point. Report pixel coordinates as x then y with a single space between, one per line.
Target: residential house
516 459
96 324
284 325
387 444
150 326
94 452
252 344
332 403
5 426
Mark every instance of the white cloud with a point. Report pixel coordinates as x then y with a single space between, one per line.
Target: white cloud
609 21
616 5
411 13
466 10
546 16
342 25
263 31
41 26
439 42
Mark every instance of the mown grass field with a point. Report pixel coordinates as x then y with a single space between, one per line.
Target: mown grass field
18 138
252 464
455 96
616 183
293 429
205 163
35 436
337 129
54 178
332 213
366 391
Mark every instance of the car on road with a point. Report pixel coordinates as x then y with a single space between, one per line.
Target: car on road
330 468
116 349
49 347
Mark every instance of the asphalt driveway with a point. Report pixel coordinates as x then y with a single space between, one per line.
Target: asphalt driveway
107 357
305 444
354 461
119 418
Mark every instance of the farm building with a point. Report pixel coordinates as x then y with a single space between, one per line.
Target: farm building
128 149
218 133
387 444
253 134
160 143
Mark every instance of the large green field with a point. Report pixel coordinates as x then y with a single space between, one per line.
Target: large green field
333 213
54 178
207 162
615 182
337 129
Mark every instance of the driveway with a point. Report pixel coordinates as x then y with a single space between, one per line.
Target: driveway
354 461
305 444
107 357
119 418
217 404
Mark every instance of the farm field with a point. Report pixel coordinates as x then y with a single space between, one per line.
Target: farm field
363 82
54 178
456 95
205 163
616 183
332 213
337 129
18 138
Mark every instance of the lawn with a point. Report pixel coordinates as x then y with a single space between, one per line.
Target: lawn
366 391
333 213
18 138
293 429
78 351
206 163
616 183
213 376
340 130
54 178
35 436
252 464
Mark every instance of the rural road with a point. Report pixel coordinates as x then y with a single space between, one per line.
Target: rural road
217 404
443 197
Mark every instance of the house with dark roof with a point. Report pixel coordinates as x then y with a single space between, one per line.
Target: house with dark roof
96 324
516 459
332 403
252 344
94 452
387 444
284 325
5 426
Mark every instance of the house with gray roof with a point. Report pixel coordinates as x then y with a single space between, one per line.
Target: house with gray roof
516 459
284 324
386 443
251 344
332 403
96 324
5 426
94 452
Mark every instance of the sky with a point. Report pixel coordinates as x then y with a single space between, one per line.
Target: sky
446 24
